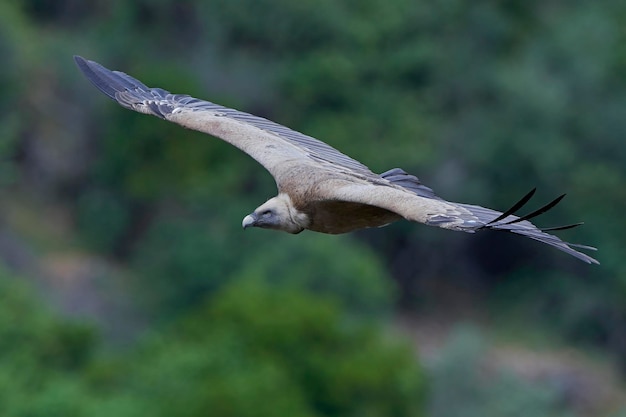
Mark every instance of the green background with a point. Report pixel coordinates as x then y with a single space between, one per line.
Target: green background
128 288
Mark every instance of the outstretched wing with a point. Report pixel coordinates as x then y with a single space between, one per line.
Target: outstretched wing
267 142
434 211
273 145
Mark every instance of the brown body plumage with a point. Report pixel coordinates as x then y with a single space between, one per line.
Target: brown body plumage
319 188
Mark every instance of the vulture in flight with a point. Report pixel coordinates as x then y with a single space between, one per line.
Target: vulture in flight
320 188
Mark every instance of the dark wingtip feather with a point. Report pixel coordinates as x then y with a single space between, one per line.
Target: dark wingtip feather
568 226
539 211
515 207
110 82
492 220
126 90
529 230
96 76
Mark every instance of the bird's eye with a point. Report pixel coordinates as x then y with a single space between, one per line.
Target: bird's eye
266 213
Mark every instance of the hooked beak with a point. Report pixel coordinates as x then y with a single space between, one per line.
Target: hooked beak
248 221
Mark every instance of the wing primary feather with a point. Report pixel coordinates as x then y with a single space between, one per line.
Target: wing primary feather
579 246
103 83
568 226
133 94
527 229
107 81
515 207
539 211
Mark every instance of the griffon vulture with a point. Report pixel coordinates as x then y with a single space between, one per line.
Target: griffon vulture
319 188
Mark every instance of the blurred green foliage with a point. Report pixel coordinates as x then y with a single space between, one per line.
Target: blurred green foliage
204 259
40 356
260 351
462 373
484 100
254 350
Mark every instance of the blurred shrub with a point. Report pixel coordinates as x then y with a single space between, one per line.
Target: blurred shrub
570 307
464 386
30 333
252 350
255 350
41 356
103 219
356 278
182 260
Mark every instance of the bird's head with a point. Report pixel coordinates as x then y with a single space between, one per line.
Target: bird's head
277 213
